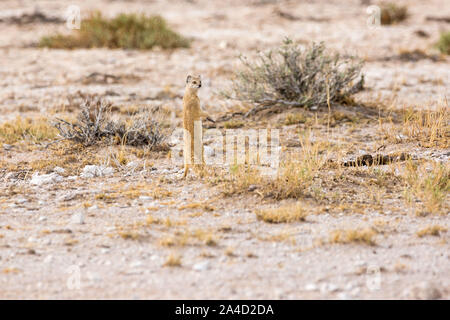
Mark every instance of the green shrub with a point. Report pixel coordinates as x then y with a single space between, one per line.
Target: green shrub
294 77
129 31
443 44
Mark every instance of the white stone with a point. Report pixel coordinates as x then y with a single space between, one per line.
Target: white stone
38 180
77 218
311 287
201 266
59 170
91 171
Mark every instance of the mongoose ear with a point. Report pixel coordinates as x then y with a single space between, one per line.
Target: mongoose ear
188 78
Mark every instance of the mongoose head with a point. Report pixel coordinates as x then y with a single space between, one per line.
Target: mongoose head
193 82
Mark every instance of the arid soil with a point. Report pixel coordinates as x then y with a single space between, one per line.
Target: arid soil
141 232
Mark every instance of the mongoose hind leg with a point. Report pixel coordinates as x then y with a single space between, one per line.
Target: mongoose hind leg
186 170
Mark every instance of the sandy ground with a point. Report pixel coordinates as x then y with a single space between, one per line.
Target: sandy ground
46 253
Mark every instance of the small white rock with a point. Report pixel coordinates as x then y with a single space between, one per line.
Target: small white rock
91 171
132 164
77 218
201 266
311 287
59 170
21 200
38 180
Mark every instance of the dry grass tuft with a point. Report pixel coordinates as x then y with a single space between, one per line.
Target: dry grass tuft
428 183
295 118
443 45
364 236
430 128
292 213
37 130
391 13
233 124
129 31
173 260
295 176
434 230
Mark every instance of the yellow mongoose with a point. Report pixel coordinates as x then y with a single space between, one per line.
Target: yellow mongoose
192 113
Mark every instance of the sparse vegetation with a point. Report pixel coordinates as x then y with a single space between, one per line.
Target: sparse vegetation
173 260
294 178
128 31
430 127
94 125
434 230
286 214
295 118
233 124
428 183
295 77
37 130
392 13
443 44
364 236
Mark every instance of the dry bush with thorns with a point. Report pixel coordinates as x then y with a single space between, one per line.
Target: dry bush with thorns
294 77
94 125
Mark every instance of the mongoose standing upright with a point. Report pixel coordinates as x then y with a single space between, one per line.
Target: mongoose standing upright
192 113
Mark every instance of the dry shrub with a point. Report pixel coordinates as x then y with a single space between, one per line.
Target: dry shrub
295 77
129 31
94 125
443 45
392 13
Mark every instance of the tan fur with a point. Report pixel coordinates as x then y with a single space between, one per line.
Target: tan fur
191 113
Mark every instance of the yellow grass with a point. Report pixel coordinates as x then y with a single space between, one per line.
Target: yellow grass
286 214
433 230
364 236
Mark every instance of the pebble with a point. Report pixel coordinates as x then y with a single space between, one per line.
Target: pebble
311 287
77 218
136 264
91 171
201 266
38 180
59 170
328 287
21 200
